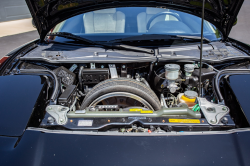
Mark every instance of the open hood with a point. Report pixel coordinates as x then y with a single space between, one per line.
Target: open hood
48 13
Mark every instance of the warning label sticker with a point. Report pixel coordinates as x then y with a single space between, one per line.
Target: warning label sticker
184 121
85 122
141 111
135 109
147 112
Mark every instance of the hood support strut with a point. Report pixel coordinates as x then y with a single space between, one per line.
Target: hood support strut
201 48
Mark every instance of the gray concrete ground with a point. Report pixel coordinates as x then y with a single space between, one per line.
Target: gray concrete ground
16 27
9 43
241 31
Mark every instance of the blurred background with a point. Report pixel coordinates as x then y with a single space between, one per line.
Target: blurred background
16 25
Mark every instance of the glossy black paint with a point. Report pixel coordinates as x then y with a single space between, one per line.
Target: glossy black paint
240 45
19 94
39 148
15 54
240 86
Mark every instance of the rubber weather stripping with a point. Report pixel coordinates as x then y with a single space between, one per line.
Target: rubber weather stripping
48 73
223 73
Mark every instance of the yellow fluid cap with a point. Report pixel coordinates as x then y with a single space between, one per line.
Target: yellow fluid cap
189 96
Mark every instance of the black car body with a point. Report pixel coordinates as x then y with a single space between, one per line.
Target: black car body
127 92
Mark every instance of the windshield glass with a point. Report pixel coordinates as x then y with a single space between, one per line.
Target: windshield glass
116 23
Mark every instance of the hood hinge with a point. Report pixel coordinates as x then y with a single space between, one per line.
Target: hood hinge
226 19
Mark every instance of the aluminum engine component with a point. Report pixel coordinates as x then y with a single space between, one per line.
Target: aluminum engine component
59 113
183 111
171 75
189 68
92 66
212 112
113 71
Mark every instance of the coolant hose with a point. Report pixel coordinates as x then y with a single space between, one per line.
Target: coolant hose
48 73
80 78
150 70
211 67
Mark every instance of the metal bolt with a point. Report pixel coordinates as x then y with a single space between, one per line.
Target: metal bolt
50 120
224 120
213 121
92 108
172 90
63 109
211 109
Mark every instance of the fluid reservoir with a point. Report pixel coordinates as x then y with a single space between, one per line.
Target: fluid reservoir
188 97
171 74
189 68
172 71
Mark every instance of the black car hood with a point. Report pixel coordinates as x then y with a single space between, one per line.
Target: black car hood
43 148
48 13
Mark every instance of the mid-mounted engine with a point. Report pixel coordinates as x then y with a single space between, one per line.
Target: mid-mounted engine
117 96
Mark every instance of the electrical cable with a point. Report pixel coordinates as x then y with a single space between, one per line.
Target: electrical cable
159 76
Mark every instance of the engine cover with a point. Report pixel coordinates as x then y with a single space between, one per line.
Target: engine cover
94 76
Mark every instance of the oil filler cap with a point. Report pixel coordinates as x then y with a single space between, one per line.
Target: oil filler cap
190 94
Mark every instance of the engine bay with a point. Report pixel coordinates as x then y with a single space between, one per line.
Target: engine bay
141 97
154 96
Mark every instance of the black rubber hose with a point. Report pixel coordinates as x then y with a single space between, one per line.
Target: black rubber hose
42 72
80 78
220 74
150 71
